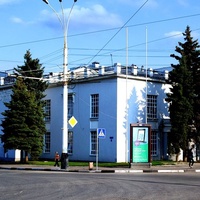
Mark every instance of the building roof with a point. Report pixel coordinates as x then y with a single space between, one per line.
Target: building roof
96 71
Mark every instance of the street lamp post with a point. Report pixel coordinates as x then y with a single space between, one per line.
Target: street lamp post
65 25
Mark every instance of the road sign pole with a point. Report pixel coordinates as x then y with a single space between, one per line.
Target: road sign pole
101 133
97 157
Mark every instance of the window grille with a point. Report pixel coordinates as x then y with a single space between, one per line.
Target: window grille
94 106
70 106
154 143
93 142
70 142
47 110
151 106
47 142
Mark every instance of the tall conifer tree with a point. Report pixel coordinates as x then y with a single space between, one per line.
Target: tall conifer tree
181 106
183 96
24 125
33 70
20 126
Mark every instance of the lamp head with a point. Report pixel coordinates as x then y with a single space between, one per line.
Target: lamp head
46 1
74 1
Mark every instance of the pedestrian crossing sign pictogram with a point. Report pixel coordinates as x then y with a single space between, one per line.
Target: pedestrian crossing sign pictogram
101 133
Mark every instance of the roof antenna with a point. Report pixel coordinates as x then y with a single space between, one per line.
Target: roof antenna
111 59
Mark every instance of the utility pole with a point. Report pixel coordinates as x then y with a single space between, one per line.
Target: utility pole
65 25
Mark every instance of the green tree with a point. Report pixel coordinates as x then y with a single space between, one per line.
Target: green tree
19 127
181 106
183 97
32 71
24 125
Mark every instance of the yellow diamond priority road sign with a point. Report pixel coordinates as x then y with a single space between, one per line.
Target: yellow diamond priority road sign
72 121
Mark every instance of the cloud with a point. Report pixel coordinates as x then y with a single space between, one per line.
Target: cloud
4 2
151 3
174 34
184 3
195 35
96 16
87 18
17 20
179 34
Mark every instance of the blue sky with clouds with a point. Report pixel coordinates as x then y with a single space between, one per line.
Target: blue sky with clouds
98 31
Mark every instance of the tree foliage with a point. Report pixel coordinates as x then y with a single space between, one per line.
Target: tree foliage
24 125
183 97
32 71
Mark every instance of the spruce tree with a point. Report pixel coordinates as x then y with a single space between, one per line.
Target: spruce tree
183 97
18 125
195 68
24 125
181 109
32 71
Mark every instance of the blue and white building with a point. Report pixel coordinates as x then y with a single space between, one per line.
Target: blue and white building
110 98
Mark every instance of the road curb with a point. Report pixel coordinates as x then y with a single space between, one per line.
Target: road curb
104 170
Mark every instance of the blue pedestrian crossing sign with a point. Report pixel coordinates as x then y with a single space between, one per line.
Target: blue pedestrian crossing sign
101 133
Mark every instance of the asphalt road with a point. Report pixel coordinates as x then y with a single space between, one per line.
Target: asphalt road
36 185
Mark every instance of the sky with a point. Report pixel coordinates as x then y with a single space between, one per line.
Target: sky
139 32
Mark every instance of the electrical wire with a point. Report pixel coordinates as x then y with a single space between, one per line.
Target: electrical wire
118 31
99 31
133 46
89 57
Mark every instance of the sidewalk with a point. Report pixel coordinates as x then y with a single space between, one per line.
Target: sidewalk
178 168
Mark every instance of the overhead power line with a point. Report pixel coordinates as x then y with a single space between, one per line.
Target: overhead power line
98 31
119 30
110 51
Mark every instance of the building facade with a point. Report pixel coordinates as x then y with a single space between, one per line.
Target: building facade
111 98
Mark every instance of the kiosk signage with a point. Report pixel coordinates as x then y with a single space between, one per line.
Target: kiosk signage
140 143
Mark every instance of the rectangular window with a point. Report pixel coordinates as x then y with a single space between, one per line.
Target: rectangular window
47 110
70 142
93 142
151 106
70 106
154 143
94 106
47 142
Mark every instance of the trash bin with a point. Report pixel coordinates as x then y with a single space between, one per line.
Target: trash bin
91 165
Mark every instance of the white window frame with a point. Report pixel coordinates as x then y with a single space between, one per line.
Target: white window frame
47 110
47 142
70 105
70 142
154 143
152 107
93 142
94 106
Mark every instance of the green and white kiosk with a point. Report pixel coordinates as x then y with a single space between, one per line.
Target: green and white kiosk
140 145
